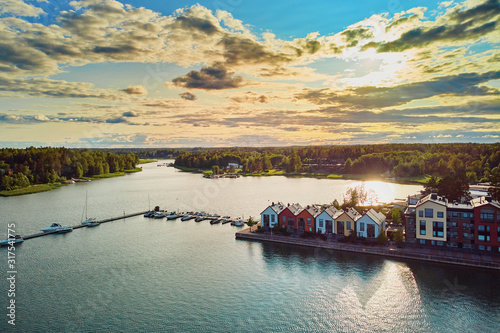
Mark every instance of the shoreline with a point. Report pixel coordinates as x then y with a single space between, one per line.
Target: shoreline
432 255
359 177
38 188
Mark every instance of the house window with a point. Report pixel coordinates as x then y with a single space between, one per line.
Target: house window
422 227
308 221
433 242
481 247
466 234
483 233
284 219
273 218
321 223
348 225
440 214
422 241
420 213
437 229
440 243
361 227
487 215
429 212
453 224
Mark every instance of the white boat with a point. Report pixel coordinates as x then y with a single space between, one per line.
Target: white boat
172 216
53 227
89 222
64 230
10 241
159 215
239 223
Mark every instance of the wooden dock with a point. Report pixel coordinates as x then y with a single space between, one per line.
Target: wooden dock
84 226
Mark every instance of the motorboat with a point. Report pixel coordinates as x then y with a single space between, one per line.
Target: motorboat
10 241
199 218
159 215
90 222
172 216
53 227
239 223
215 221
149 213
64 230
187 218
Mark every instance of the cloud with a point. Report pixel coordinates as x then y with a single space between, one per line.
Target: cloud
250 97
378 97
40 87
188 96
136 90
459 25
209 77
19 8
130 114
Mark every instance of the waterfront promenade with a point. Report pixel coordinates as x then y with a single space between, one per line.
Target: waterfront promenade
414 253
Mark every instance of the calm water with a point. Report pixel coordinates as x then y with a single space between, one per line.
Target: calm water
143 275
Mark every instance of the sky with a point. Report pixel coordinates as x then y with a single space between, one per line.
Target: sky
221 73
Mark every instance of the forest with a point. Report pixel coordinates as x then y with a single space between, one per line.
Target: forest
20 168
476 162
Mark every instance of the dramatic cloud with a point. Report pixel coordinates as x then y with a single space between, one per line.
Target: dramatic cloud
19 8
209 77
461 25
188 96
379 97
136 90
130 114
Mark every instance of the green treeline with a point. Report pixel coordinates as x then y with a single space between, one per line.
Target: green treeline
24 167
476 161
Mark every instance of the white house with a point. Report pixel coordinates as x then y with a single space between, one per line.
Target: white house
235 165
370 224
269 217
325 222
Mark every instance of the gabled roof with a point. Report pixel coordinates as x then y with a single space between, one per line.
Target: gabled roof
314 210
481 201
295 208
433 197
331 211
378 218
353 214
277 208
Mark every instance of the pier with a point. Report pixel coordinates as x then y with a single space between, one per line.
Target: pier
83 226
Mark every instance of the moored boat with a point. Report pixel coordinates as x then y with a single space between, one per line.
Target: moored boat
64 230
215 221
10 241
53 227
172 216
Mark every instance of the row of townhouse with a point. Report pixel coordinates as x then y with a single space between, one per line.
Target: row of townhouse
329 220
435 221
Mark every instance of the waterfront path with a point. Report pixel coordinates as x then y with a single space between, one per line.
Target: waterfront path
426 254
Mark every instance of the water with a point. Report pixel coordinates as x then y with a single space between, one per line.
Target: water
145 275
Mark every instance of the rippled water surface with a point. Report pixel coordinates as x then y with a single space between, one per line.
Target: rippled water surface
143 275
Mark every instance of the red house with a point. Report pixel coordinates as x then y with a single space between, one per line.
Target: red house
287 218
486 224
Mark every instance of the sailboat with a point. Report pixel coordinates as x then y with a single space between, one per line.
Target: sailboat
89 222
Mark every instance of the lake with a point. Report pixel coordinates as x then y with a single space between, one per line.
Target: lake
147 275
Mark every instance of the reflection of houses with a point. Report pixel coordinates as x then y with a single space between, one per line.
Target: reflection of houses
269 217
487 224
346 221
370 224
325 222
288 216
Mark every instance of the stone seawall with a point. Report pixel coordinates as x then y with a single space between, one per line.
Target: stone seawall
434 255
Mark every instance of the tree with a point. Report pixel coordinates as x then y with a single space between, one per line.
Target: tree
396 215
336 204
250 222
454 187
356 196
382 238
494 190
399 237
215 169
232 169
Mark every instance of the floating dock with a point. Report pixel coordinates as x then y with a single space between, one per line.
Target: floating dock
84 226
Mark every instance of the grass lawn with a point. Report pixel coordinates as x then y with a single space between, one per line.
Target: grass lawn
30 189
146 161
